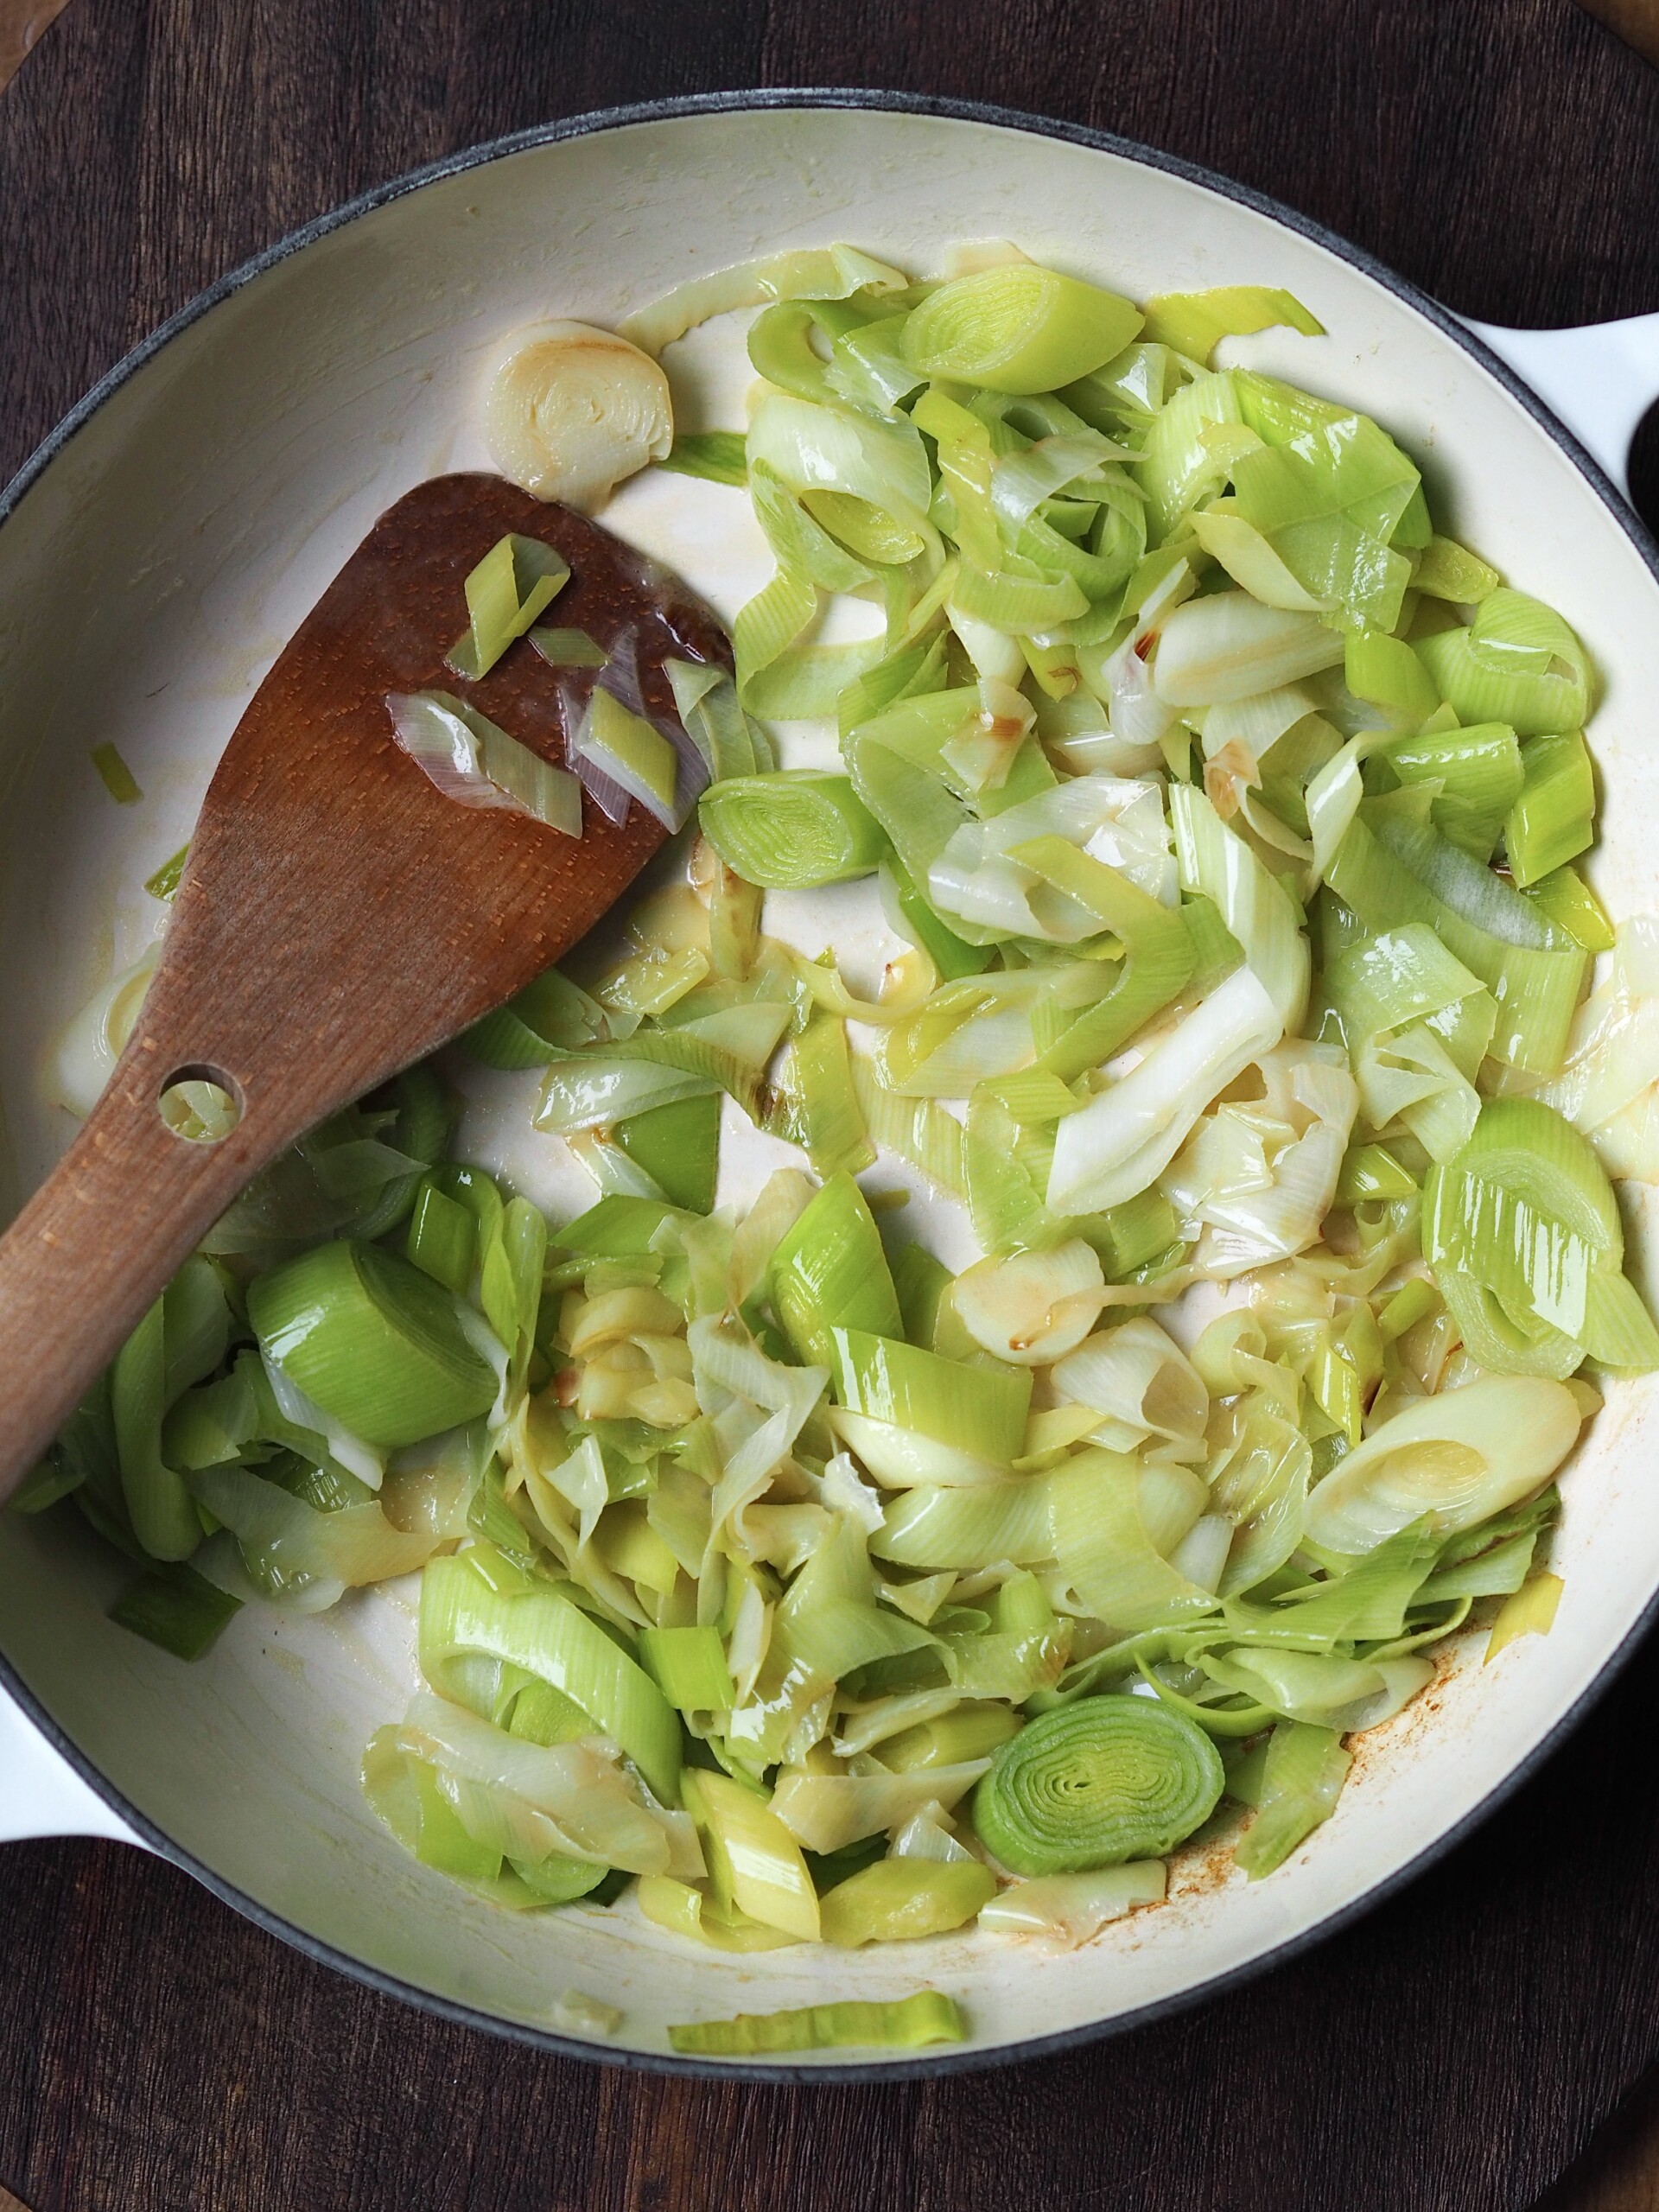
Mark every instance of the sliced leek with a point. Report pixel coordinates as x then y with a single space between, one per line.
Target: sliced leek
1096 1783
1228 824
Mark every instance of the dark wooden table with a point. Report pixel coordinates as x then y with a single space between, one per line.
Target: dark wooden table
1454 2051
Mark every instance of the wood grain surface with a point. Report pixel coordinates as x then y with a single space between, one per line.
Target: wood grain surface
22 22
338 918
1636 22
1452 2052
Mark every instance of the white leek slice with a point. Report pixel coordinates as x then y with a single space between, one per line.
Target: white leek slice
927 1834
571 1800
474 762
88 1047
1227 646
1610 1086
1144 1388
1124 1139
1034 1306
1202 1553
571 411
586 2016
1074 731
1256 1178
993 652
1114 819
295 1551
1257 723
1068 1909
1108 1515
1458 1458
818 272
815 448
1124 682
357 1458
844 1490
1251 901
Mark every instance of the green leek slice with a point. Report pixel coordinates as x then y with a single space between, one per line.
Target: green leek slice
1302 1775
896 1900
1193 323
902 2024
505 592
1447 571
979 1410
689 1666
443 1240
176 1609
794 830
1480 776
829 1272
717 456
180 1340
1390 870
755 1863
1552 819
116 777
167 879
625 747
818 272
540 1630
567 648
1518 663
372 1340
1095 1784
678 1146
474 761
1017 327
1568 901
1524 1235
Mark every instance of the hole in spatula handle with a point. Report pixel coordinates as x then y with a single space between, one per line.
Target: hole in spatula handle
201 1104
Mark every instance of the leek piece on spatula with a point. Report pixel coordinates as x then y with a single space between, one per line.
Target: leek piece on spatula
339 916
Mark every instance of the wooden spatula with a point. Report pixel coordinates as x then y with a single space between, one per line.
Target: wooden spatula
339 917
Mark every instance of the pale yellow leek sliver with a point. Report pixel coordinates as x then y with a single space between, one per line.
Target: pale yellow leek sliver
1530 1612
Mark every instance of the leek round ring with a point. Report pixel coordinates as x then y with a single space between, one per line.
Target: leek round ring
1095 1784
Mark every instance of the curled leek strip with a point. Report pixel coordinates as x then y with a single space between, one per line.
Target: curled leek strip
1095 1784
516 578
1193 323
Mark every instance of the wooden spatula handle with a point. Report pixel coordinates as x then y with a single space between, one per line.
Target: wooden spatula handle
339 917
98 1243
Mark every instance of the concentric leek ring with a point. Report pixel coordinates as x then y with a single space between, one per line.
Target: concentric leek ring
1095 1784
793 830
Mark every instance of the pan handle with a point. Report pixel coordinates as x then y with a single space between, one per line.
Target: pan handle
1601 379
40 1794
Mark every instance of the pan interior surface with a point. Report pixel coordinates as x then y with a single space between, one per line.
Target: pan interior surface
149 576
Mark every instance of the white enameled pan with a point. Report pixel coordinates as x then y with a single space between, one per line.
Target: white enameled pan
138 602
